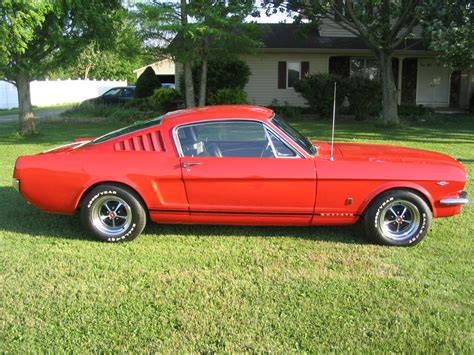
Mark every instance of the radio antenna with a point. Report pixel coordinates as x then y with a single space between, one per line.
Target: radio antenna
331 158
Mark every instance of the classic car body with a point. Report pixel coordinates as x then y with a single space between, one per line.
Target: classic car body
181 178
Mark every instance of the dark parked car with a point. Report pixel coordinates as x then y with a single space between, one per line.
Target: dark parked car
114 96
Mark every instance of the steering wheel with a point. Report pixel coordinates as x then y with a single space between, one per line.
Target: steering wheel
214 150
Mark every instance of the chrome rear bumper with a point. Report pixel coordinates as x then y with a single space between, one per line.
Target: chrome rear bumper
16 184
461 200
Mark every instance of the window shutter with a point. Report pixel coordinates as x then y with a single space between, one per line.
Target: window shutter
304 69
281 75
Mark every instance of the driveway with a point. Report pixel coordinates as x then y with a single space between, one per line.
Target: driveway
38 114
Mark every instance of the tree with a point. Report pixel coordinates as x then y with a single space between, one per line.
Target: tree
37 36
114 60
382 25
147 83
448 28
194 31
222 33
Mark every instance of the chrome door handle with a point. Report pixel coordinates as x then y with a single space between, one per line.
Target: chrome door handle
187 165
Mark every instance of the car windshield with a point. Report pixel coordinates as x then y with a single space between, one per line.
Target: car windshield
296 136
112 92
129 129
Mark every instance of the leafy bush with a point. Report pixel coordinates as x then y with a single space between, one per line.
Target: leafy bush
412 111
139 104
286 110
227 74
125 114
365 97
318 90
221 74
471 104
87 110
147 83
165 100
228 96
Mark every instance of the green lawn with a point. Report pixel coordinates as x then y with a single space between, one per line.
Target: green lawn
216 289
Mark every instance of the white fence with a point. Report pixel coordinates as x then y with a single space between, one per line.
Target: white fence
51 92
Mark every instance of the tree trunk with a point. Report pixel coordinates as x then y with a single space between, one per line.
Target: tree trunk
189 85
188 70
203 84
389 91
27 119
86 71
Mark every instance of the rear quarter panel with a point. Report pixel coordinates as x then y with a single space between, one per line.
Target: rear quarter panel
55 182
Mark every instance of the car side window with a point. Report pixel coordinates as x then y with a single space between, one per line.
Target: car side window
281 149
238 139
126 92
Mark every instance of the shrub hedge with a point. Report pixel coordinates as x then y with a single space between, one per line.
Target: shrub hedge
229 73
229 96
363 95
318 90
146 84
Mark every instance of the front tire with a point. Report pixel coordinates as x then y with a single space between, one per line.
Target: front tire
397 218
113 214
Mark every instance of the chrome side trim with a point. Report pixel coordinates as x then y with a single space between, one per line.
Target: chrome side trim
16 184
454 201
60 147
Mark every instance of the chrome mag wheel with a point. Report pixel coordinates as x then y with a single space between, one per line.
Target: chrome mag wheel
399 220
111 215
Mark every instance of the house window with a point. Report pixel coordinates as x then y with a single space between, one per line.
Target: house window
290 72
366 67
293 73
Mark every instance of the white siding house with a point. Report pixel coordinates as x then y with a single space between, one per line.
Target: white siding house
420 78
262 88
288 55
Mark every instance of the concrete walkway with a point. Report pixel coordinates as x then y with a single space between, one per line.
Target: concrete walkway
38 114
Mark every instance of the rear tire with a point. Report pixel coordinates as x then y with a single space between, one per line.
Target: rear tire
113 214
397 218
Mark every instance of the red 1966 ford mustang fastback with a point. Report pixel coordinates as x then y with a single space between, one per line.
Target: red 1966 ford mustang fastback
240 165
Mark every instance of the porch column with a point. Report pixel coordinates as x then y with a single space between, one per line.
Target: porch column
400 70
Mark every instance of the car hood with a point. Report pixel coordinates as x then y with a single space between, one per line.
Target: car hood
379 153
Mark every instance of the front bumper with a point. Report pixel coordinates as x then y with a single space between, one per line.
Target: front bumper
16 184
461 200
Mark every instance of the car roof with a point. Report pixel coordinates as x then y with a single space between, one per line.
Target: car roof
123 87
219 112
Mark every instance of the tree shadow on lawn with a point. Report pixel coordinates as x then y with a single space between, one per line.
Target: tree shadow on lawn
20 218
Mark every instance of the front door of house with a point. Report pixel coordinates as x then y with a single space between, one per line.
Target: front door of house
433 83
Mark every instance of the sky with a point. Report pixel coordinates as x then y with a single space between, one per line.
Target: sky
276 18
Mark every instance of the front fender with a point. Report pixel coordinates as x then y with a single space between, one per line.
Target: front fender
419 188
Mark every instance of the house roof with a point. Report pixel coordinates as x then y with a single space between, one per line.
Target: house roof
293 36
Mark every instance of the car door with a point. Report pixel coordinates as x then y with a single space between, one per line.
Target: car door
243 168
110 97
125 95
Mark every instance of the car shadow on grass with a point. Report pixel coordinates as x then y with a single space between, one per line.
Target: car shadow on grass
20 218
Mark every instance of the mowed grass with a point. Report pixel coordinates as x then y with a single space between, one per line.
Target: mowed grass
219 288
